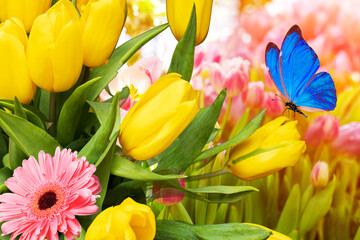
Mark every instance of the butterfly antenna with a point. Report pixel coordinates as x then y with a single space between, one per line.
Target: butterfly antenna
278 99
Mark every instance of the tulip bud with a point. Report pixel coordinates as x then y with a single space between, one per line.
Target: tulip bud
24 10
15 79
348 140
319 176
178 15
55 54
232 74
322 129
129 220
159 117
273 106
101 23
168 196
254 96
271 148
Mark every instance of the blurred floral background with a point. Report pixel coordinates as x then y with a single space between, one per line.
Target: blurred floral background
319 197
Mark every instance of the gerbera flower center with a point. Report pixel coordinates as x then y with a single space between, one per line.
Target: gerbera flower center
47 200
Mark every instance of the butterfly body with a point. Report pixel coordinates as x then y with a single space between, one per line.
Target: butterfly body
293 107
293 68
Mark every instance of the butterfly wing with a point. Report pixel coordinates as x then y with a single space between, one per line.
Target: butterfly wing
298 63
272 59
319 94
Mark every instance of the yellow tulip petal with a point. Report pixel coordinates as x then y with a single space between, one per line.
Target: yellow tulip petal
268 162
24 10
100 34
179 12
40 44
129 220
162 139
159 117
66 57
15 79
55 48
15 27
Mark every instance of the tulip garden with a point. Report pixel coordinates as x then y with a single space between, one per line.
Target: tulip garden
176 120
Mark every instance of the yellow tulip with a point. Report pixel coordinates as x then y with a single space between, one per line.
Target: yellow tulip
272 147
159 117
347 107
179 12
275 235
55 54
101 23
25 10
129 220
15 79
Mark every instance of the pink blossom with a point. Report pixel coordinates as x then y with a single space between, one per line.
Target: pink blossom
254 96
168 196
348 140
274 107
322 129
138 78
47 194
319 176
232 74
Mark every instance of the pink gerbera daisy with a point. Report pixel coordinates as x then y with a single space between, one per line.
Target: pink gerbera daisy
47 195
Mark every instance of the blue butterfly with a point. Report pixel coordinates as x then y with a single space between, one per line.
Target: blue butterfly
293 71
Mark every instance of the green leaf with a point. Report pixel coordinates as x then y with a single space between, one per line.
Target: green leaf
3 146
69 115
16 156
119 58
103 167
33 115
289 217
244 134
213 194
98 143
30 138
214 133
182 61
5 173
125 168
222 194
317 208
102 109
173 230
181 153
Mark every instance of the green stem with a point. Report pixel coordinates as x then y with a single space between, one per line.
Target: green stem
227 113
208 175
52 113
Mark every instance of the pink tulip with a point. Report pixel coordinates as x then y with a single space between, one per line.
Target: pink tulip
319 176
168 196
232 74
348 140
322 129
254 96
274 107
138 78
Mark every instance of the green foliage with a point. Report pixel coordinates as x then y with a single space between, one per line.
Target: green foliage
182 61
173 230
